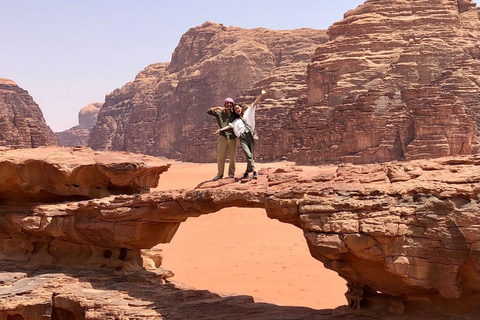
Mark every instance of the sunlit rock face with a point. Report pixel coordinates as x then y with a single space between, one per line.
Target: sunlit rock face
397 80
53 174
405 235
21 121
163 111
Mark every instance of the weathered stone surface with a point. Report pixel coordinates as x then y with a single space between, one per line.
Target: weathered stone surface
81 294
79 135
403 234
397 80
74 137
163 112
21 121
53 174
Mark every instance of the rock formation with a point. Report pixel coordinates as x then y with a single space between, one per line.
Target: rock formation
51 174
405 235
101 295
397 80
79 135
163 112
87 116
21 121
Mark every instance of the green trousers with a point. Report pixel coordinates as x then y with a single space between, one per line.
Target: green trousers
226 146
248 146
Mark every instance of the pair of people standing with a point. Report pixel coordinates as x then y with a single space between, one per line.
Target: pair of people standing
235 121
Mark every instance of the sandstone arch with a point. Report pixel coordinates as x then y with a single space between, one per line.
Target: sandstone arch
404 235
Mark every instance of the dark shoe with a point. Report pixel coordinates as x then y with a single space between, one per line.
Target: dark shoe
245 175
217 178
255 175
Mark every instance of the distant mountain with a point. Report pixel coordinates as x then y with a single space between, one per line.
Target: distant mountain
79 134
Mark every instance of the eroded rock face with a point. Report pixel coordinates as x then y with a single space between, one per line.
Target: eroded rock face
406 231
53 174
405 235
21 121
397 80
79 294
74 137
163 112
79 135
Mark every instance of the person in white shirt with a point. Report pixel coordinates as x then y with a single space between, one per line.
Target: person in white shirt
244 129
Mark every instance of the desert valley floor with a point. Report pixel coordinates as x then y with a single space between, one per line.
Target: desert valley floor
242 251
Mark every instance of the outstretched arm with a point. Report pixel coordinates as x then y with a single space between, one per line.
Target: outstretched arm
259 97
222 129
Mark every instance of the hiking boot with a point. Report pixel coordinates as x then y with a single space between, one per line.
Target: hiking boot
255 175
217 178
245 175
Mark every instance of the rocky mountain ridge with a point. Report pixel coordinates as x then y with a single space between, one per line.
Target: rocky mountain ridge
21 120
163 112
395 81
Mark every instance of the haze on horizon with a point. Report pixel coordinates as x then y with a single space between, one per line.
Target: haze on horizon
69 54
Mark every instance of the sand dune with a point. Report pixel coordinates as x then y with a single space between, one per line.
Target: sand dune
242 251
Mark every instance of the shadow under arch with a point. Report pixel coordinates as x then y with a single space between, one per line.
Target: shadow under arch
80 294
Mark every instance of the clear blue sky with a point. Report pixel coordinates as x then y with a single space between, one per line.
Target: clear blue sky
67 54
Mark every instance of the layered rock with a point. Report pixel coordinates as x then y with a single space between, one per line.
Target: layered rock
79 135
21 121
100 295
163 112
49 174
397 80
405 235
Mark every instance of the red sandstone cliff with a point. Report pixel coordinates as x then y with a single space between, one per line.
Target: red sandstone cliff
163 112
21 120
396 80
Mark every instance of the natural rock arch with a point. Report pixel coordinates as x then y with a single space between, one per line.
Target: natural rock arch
404 235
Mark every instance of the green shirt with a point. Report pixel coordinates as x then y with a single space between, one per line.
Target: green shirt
223 120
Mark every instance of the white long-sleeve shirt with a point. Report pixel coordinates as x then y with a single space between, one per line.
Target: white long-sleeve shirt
239 127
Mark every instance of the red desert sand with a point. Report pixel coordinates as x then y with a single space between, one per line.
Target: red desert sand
242 251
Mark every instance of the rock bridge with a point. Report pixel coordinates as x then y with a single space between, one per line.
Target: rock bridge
405 235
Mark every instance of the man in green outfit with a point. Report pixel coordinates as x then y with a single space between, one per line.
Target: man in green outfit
227 141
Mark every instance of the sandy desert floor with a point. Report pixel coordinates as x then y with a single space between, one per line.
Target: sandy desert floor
242 251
